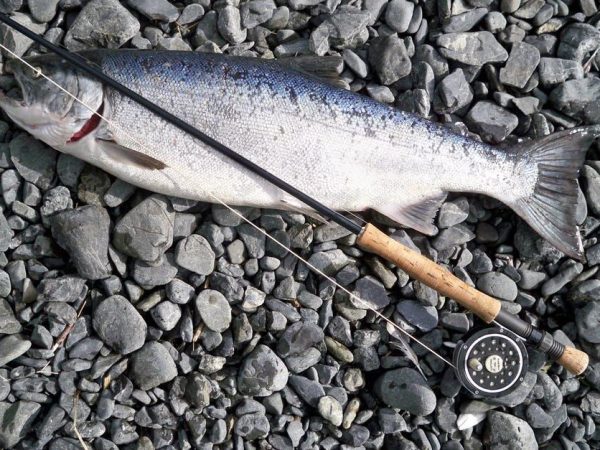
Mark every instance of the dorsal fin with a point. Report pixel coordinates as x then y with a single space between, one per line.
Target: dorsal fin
326 68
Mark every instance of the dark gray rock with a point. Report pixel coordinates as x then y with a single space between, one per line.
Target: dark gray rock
577 40
522 62
146 231
214 310
34 161
159 10
452 94
389 58
405 389
252 427
84 234
537 417
150 275
43 10
507 431
498 285
195 254
578 98
166 315
152 366
587 319
464 21
262 372
119 325
11 347
398 15
230 25
473 48
309 391
425 318
557 70
371 294
16 419
298 338
101 23
8 322
491 121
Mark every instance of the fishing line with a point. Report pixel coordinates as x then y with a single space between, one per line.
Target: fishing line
353 296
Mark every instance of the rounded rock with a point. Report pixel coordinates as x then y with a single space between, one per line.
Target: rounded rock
406 389
262 373
152 366
119 325
213 308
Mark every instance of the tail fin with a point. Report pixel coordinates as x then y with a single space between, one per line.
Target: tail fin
550 209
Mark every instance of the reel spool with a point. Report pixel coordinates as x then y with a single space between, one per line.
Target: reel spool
491 362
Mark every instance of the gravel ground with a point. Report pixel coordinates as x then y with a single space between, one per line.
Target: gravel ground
132 320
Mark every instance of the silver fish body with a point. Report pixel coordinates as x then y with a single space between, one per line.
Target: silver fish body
344 149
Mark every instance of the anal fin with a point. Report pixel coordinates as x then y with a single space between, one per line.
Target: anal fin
418 216
124 155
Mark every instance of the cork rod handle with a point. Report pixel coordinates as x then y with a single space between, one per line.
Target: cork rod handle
575 361
428 272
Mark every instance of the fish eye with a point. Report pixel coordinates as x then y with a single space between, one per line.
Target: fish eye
37 72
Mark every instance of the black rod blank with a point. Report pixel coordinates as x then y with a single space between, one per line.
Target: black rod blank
186 127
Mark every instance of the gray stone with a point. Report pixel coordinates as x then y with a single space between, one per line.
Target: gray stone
331 410
160 10
34 161
16 419
8 6
195 254
577 40
262 372
455 235
256 12
55 200
578 98
252 427
152 366
557 70
389 58
398 15
43 10
214 310
491 121
522 62
8 322
464 21
84 234
197 390
510 432
119 325
537 417
473 48
405 389
118 193
498 285
179 292
15 41
151 275
230 26
62 289
587 319
103 24
11 347
567 274
425 318
166 315
371 294
308 390
146 231
190 14
452 94
298 338
329 262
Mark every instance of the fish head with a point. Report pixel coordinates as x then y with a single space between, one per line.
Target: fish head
48 109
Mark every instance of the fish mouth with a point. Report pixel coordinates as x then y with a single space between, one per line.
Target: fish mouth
90 125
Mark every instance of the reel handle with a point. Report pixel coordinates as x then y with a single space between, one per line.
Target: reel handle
485 307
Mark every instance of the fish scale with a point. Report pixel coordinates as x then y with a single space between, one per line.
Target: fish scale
344 149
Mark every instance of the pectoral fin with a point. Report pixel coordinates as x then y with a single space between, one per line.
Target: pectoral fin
124 155
418 216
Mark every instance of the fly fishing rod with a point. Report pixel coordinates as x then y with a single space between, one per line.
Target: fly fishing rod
490 362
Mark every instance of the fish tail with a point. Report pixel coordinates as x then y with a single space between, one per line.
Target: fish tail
551 207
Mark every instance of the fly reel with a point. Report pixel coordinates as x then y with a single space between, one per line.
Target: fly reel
491 362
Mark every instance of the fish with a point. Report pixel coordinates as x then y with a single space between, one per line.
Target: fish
350 152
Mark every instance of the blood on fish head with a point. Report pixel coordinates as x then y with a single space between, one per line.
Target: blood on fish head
43 109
